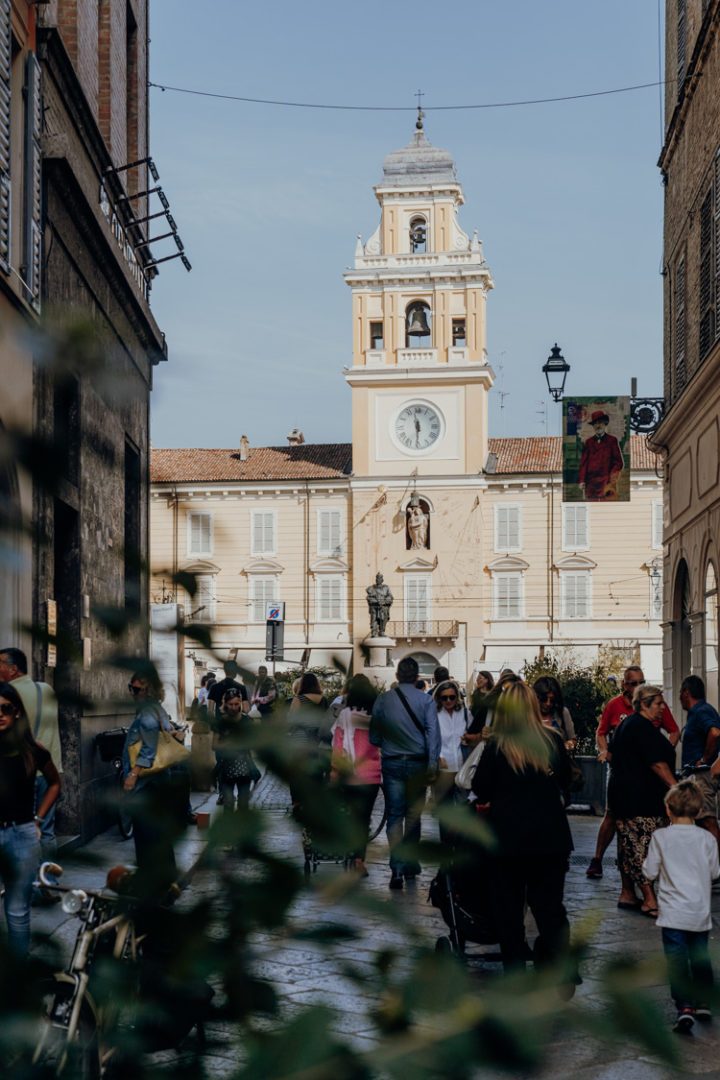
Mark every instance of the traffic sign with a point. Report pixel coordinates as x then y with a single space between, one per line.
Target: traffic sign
275 611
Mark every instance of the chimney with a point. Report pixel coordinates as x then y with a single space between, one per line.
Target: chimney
244 448
295 437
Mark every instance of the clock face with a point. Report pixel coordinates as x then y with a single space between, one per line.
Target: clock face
418 427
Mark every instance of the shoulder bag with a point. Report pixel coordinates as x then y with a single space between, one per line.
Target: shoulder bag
169 752
464 776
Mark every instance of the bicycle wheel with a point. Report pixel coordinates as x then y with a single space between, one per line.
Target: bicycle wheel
54 1055
125 823
378 816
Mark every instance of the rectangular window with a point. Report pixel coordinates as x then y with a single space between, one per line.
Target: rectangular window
575 594
132 550
32 201
508 595
656 530
377 336
263 533
329 524
5 82
458 333
576 533
263 590
204 599
706 291
330 596
508 528
680 326
200 534
418 590
681 23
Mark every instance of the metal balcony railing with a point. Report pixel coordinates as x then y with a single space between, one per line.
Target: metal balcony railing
423 628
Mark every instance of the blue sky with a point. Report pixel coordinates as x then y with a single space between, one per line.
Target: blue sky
566 197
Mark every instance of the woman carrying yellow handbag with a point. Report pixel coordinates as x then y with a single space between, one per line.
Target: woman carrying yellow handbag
155 785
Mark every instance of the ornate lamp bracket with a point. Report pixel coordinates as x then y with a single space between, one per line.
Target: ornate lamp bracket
646 414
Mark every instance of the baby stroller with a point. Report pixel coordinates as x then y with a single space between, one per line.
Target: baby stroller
460 890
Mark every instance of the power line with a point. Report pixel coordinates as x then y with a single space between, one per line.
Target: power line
405 108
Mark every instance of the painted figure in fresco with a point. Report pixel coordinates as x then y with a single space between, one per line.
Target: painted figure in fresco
379 600
601 462
417 523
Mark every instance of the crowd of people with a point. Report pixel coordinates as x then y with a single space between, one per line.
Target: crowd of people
504 752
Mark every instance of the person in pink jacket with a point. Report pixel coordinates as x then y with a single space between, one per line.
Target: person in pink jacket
356 762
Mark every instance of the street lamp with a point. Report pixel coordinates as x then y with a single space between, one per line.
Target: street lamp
556 369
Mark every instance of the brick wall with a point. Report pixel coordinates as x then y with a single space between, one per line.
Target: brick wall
107 43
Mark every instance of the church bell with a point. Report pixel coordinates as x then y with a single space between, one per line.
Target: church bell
417 325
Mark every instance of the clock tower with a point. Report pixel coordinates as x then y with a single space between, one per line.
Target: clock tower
419 374
420 381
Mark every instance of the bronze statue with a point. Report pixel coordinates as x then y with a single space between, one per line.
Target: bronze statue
379 600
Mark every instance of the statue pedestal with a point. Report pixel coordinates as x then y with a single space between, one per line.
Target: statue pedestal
378 667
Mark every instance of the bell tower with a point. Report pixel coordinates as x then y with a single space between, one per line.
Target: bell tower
419 374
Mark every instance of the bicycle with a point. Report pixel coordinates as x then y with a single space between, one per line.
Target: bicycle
110 747
74 1039
69 1041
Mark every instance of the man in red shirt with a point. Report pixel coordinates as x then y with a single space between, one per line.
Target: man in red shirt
612 716
601 462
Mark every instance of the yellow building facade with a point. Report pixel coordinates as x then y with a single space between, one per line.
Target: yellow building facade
485 563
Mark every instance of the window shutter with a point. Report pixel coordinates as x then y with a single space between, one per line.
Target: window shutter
417 602
508 592
330 597
335 532
680 326
32 239
263 592
205 597
576 595
507 528
5 59
707 306
681 43
657 523
263 533
329 532
575 524
716 245
200 534
324 546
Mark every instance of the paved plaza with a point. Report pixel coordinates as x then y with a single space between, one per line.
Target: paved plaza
305 973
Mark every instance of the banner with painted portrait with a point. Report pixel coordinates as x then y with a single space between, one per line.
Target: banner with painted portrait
596 449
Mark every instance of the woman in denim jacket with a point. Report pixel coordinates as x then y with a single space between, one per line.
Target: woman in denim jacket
155 801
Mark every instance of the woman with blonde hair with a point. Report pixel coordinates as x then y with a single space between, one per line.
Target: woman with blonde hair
522 778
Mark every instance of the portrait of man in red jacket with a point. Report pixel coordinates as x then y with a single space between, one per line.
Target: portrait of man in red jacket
601 462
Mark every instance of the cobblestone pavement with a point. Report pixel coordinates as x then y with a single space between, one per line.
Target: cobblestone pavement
304 973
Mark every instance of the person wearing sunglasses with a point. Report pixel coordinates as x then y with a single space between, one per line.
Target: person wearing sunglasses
613 715
21 759
554 712
454 720
157 802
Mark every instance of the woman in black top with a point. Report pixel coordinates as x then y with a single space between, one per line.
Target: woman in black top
21 758
522 776
642 771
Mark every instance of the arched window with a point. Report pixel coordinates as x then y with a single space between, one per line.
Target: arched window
418 325
711 635
418 235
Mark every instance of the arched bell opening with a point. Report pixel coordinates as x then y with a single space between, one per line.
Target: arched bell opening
418 325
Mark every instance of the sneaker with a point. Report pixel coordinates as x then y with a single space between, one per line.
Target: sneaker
685 1021
702 1013
396 881
595 869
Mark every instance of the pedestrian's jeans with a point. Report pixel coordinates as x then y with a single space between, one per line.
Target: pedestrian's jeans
19 858
689 968
404 784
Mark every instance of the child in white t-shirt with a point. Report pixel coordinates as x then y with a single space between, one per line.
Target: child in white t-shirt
684 860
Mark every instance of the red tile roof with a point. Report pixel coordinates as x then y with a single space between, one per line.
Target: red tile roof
318 461
327 461
543 453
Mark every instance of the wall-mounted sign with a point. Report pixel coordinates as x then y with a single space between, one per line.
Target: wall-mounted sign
51 627
596 449
275 611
